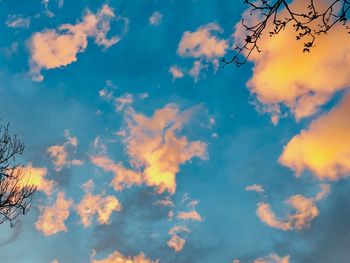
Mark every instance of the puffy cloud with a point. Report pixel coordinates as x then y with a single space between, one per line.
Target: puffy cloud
117 257
203 43
91 205
273 258
284 75
175 242
323 148
60 153
155 148
54 48
155 19
123 177
35 176
52 219
305 211
176 72
17 21
192 214
255 188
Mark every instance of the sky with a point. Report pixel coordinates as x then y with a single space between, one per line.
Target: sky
144 148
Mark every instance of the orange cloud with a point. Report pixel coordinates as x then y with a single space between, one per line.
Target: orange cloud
284 75
35 176
57 48
305 211
117 257
154 146
96 204
175 242
122 177
203 42
176 72
190 215
52 218
60 153
273 258
324 148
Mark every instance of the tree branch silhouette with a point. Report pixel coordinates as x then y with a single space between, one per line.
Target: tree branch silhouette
307 24
16 192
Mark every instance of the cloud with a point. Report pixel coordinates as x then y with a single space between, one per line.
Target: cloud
255 188
323 148
155 19
52 218
35 176
176 72
192 214
60 153
203 43
17 21
272 258
101 205
117 257
54 48
285 76
123 177
154 146
305 211
175 242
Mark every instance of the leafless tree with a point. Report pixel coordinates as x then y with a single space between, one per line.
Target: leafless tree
308 24
16 193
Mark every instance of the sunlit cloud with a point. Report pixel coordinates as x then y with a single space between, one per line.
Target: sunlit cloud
17 21
324 147
52 218
54 48
305 211
205 46
59 153
176 242
123 177
100 205
35 176
190 215
176 72
255 188
155 19
273 258
117 257
285 76
155 148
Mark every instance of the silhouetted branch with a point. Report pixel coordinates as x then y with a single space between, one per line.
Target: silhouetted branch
16 193
307 25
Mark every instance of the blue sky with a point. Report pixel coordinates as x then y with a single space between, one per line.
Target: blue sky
216 137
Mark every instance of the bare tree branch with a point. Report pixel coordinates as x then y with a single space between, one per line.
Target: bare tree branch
307 24
16 193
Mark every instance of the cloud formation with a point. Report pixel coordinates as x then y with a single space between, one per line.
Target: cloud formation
272 258
176 242
102 206
54 48
285 76
323 148
52 218
155 19
155 147
305 211
35 176
176 72
17 21
205 46
117 257
60 153
255 188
